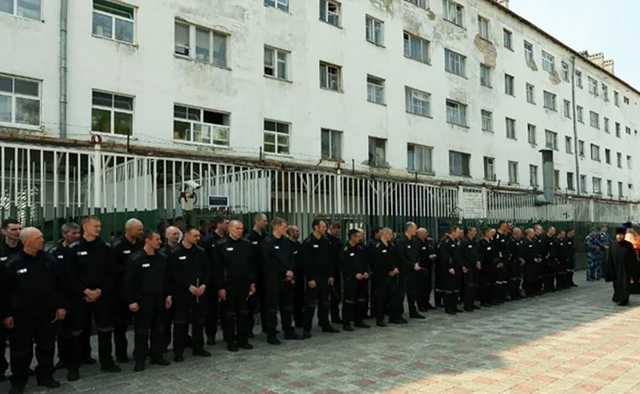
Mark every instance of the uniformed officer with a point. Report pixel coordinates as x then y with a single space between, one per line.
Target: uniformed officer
516 247
172 238
9 245
30 312
293 236
411 272
571 256
219 232
318 269
146 285
561 256
532 255
62 257
235 281
450 269
386 277
123 248
428 258
471 267
335 251
255 237
189 277
503 262
355 277
487 275
550 262
371 252
91 277
279 281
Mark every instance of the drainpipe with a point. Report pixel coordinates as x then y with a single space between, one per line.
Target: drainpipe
575 123
63 67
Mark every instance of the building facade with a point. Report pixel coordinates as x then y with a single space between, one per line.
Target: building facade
438 91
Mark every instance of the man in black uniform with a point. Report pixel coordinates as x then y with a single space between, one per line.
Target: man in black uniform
91 277
172 238
516 248
570 245
355 277
255 237
219 232
235 281
550 246
386 281
488 257
411 272
146 290
620 260
542 249
450 269
293 236
503 262
33 306
532 257
62 256
471 267
279 281
562 263
318 270
428 258
9 245
123 248
370 250
335 250
189 277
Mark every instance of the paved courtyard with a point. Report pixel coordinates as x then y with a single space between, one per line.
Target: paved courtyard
573 341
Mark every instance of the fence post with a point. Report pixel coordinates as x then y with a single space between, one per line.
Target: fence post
97 177
592 210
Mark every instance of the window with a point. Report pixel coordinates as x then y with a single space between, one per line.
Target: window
583 183
596 184
580 148
531 94
607 156
200 126
551 139
374 30
570 181
628 130
550 101
580 113
418 3
330 77
511 128
112 20
618 129
513 172
375 90
568 145
459 163
111 113
377 152
19 101
417 102
276 63
619 159
606 125
620 194
279 4
565 72
616 98
531 134
276 137
485 75
416 48
210 45
455 63
609 188
567 109
629 162
626 100
593 86
579 79
487 121
508 85
26 8
594 119
483 27
533 176
331 144
507 36
548 62
605 93
456 113
419 158
453 12
330 11
595 152
489 169
528 53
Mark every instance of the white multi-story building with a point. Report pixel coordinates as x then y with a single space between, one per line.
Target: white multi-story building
459 91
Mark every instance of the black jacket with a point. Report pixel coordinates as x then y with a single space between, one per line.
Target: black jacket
277 257
188 267
353 261
146 275
92 267
385 259
408 251
234 263
317 263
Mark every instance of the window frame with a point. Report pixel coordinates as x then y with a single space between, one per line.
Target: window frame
512 170
461 113
485 76
548 62
371 35
193 44
553 98
458 18
489 166
282 5
332 133
507 39
114 18
16 11
338 78
112 112
484 26
486 118
509 85
425 45
373 160
530 93
455 63
465 163
532 130
409 101
276 141
328 13
276 64
510 128
533 176
595 152
376 85
193 123
14 96
426 152
551 139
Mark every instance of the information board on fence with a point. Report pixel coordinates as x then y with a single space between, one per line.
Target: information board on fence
472 203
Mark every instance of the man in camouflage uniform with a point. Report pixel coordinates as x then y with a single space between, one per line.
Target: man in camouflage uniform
593 247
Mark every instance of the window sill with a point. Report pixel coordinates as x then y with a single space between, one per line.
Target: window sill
489 132
486 86
425 173
509 49
492 179
462 126
39 129
277 155
127 43
454 23
330 24
420 115
488 41
190 59
115 136
332 160
21 17
278 79
332 90
461 175
202 144
380 104
457 75
376 44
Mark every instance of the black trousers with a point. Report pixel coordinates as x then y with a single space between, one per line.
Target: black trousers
487 284
188 310
469 289
317 297
548 275
335 298
235 311
279 295
121 321
532 282
298 298
388 297
424 297
213 315
82 315
4 364
149 323
41 330
414 289
354 307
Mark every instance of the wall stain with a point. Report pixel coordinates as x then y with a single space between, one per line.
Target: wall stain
487 49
